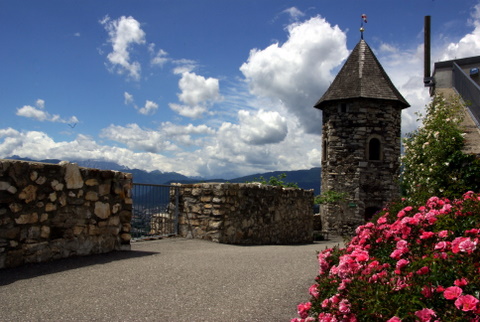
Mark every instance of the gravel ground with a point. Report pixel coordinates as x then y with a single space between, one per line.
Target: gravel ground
165 280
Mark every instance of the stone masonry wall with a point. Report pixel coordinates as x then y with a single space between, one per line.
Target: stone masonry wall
247 214
50 211
346 167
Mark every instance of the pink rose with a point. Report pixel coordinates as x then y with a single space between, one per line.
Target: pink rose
325 303
425 315
396 254
382 220
394 319
473 231
468 246
323 262
303 308
327 317
427 291
443 245
313 290
461 282
344 306
443 233
424 270
335 299
427 234
361 255
463 244
401 244
452 292
466 303
402 263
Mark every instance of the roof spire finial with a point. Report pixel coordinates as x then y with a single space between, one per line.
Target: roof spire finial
364 20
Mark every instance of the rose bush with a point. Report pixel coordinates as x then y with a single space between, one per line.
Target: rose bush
416 264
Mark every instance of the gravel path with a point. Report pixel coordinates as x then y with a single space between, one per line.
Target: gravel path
165 280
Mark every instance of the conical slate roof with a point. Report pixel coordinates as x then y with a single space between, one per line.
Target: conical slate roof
362 76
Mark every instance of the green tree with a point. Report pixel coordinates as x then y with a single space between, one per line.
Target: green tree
433 163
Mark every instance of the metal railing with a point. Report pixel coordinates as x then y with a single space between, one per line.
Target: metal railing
468 90
155 211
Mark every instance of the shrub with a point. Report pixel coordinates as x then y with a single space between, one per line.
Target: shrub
418 264
433 163
330 197
276 181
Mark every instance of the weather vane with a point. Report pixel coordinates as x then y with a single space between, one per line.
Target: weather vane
364 20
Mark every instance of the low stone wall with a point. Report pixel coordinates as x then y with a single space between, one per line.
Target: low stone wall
51 211
247 214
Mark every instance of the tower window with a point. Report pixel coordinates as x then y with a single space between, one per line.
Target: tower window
374 149
343 108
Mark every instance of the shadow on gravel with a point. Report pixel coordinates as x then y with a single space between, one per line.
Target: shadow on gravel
11 275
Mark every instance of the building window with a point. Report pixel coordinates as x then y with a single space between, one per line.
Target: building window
374 149
343 108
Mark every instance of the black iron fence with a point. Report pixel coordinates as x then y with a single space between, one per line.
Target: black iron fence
155 211
469 90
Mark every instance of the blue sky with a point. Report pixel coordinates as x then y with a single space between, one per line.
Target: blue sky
208 88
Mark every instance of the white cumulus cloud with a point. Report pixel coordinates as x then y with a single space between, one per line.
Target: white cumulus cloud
138 139
159 58
264 127
38 145
468 45
123 33
297 72
128 98
149 108
188 135
188 111
197 89
40 103
38 113
294 13
197 94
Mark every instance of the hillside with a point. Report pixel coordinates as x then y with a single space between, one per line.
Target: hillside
305 179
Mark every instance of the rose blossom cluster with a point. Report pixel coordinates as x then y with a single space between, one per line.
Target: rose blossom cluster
420 264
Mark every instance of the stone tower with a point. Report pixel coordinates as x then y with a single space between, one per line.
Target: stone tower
361 131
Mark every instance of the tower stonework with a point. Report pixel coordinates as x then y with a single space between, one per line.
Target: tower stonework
361 131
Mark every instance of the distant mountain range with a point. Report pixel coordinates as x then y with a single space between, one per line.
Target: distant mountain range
305 179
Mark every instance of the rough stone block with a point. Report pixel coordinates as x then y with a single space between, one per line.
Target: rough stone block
73 177
6 186
104 189
27 219
102 210
10 233
49 207
91 182
91 196
28 194
41 180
